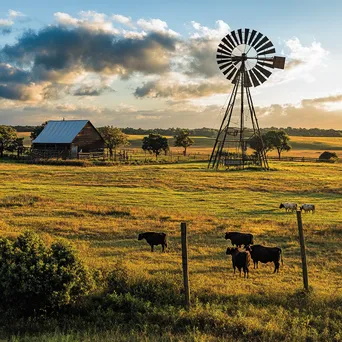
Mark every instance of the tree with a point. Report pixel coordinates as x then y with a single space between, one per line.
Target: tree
182 139
255 143
37 130
114 138
155 143
16 145
278 140
7 136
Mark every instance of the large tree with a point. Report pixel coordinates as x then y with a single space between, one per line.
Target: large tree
182 139
37 130
17 145
7 137
278 140
114 138
155 143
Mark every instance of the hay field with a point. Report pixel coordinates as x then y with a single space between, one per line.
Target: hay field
102 210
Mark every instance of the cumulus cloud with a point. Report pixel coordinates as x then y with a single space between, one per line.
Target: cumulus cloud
89 20
309 113
156 25
58 54
85 90
123 20
15 14
178 90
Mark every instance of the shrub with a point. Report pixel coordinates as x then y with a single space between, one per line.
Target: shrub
328 157
35 278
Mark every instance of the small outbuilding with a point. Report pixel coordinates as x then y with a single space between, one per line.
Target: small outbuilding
68 138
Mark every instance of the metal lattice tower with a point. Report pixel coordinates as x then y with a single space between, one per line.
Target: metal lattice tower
245 57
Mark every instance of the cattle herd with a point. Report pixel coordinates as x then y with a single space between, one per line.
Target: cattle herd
289 206
240 257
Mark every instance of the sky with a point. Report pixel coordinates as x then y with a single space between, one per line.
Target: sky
153 64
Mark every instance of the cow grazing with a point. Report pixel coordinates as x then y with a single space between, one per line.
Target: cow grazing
154 239
288 206
239 239
266 254
307 208
240 259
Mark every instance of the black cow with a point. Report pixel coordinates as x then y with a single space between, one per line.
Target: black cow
239 239
154 239
266 254
240 259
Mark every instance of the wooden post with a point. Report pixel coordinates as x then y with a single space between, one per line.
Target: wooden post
302 250
185 265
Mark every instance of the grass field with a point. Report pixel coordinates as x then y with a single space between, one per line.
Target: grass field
101 210
301 146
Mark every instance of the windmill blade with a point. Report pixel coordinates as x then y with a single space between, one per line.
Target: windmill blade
257 38
263 70
229 69
268 52
262 42
225 41
240 36
260 77
230 39
223 52
247 80
254 79
225 48
246 36
235 38
264 47
232 74
225 65
224 60
252 37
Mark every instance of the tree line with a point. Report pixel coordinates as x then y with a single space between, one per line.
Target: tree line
211 132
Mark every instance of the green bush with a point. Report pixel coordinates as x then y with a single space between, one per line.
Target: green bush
328 157
37 279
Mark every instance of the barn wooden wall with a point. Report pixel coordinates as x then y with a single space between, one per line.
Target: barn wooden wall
88 139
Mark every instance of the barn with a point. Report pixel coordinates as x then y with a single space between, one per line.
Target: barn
68 138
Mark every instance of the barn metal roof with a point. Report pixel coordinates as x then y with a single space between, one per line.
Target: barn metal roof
60 132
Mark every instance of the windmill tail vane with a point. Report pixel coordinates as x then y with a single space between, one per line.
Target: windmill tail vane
246 58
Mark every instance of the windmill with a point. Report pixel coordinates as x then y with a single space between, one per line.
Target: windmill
246 58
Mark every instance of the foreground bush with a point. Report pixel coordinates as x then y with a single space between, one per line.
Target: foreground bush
35 278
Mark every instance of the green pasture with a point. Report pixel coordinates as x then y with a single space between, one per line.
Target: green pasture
101 210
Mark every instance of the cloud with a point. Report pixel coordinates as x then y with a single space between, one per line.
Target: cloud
219 32
177 90
57 48
89 20
156 25
91 90
10 74
15 14
310 113
123 20
6 22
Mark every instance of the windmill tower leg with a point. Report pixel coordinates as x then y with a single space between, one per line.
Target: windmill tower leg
262 153
216 154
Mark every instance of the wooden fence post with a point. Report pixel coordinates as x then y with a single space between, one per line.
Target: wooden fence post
302 250
185 265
